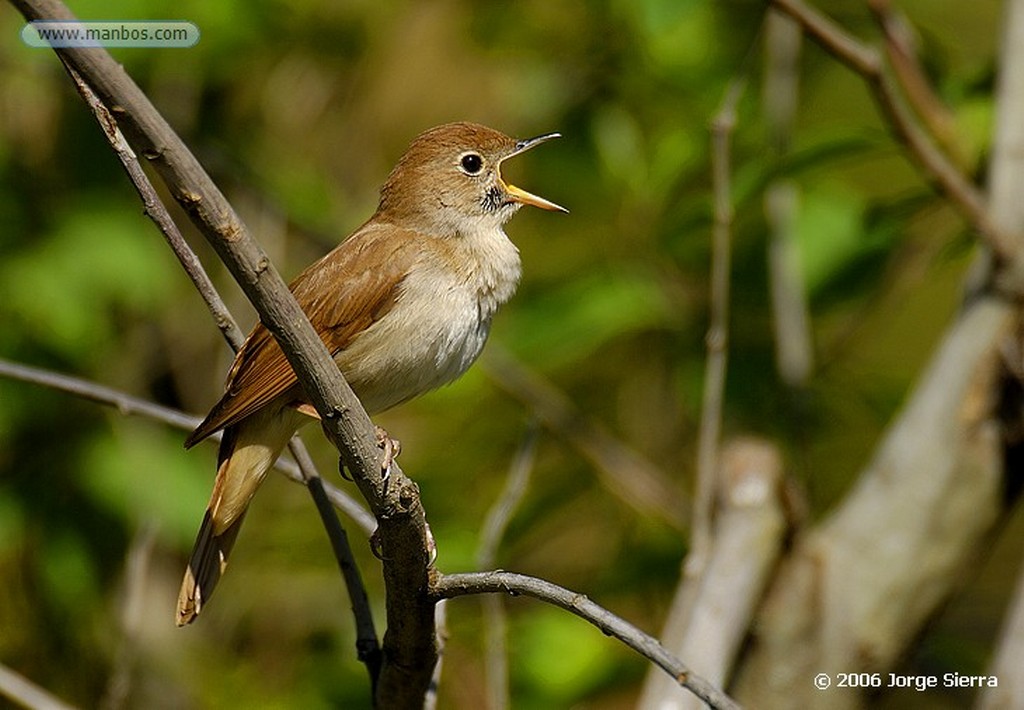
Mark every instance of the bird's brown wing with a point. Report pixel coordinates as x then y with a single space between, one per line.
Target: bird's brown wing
342 294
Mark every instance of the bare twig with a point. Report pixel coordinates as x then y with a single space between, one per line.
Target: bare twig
794 354
866 62
495 524
21 690
623 471
367 646
902 54
155 210
128 405
101 394
717 338
454 585
749 530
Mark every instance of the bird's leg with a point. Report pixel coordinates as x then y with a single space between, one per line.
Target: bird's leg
392 448
344 471
378 552
431 545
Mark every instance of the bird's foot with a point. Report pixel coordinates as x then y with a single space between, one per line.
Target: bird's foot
378 551
431 545
391 448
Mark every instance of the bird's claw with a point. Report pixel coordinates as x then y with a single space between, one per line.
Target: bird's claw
391 448
377 549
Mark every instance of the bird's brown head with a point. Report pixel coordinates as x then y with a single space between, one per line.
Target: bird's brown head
449 180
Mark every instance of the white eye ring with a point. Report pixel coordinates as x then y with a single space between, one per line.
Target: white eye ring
471 163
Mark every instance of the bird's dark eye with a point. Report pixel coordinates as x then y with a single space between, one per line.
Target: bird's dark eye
471 164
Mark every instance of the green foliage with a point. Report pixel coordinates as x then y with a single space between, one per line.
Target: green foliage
560 658
299 110
140 475
593 311
63 292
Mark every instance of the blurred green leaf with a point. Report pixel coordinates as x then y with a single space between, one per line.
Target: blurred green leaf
560 655
67 291
12 523
69 573
829 231
143 473
581 315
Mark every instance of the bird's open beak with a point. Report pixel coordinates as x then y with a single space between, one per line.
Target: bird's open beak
520 195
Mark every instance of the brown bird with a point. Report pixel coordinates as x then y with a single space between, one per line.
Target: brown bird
404 305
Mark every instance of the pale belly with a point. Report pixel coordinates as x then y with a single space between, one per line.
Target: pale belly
421 344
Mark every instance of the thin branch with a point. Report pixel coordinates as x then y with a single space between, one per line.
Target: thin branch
128 405
623 471
902 54
717 339
866 62
125 403
132 609
367 646
495 524
21 690
513 584
409 644
155 210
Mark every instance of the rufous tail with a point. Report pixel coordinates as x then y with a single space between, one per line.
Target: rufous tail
247 450
205 566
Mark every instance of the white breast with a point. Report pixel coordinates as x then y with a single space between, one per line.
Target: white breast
439 323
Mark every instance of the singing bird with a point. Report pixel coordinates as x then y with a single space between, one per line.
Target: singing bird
404 305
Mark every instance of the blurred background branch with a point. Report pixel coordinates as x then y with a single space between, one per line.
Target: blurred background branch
367 645
133 406
500 582
300 111
868 64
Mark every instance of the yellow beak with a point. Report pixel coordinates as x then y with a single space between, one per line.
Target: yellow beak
528 198
522 196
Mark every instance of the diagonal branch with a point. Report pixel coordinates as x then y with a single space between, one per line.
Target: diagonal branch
900 49
717 338
367 646
134 406
511 583
409 644
623 471
866 62
21 690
